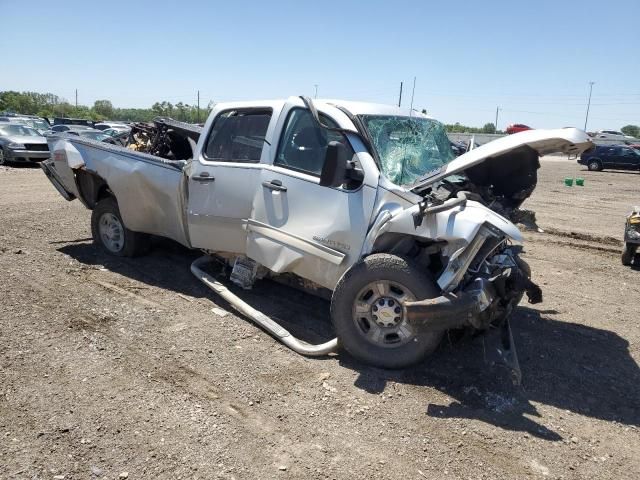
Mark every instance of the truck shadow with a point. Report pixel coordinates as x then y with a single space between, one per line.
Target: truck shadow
167 267
572 367
568 366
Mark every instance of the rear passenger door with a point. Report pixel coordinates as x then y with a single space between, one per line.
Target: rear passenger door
222 183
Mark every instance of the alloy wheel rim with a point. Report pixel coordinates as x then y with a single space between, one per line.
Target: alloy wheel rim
380 315
111 232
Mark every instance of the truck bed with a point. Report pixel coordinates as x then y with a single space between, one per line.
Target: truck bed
150 190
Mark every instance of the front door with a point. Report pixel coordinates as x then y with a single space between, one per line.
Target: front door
222 183
297 225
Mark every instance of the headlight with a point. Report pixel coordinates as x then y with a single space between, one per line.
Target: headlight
634 220
17 146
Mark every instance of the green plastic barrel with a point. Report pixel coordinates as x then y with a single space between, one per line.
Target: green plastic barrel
580 182
568 182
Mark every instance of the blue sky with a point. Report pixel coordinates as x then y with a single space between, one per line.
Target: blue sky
534 59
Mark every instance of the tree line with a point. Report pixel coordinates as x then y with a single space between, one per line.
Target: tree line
50 105
458 128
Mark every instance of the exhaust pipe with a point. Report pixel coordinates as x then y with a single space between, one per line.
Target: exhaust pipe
275 330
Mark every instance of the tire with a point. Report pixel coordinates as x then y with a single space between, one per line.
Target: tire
3 157
594 165
628 252
109 232
356 311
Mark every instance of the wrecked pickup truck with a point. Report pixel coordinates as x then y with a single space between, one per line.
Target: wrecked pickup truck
361 201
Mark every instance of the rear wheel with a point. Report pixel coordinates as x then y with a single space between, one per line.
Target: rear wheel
594 165
628 252
3 157
369 313
109 232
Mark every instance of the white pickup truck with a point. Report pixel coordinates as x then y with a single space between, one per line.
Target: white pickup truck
365 202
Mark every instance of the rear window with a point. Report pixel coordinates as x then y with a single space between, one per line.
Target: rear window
238 136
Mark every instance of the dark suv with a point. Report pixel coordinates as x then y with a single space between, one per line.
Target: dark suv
619 157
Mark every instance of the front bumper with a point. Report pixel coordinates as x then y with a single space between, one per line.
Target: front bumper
27 156
483 301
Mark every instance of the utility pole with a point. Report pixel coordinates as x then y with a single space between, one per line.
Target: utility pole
588 105
76 99
198 106
400 97
316 87
496 124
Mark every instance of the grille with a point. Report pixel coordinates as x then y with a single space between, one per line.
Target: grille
37 147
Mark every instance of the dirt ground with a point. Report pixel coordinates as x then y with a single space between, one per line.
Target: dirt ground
126 368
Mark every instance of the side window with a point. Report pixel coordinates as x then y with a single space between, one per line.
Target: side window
303 145
238 136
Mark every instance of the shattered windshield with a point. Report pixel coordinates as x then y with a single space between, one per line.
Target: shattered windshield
408 147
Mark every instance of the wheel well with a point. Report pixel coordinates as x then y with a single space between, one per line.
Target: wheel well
428 254
92 188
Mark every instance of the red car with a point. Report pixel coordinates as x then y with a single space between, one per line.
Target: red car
517 127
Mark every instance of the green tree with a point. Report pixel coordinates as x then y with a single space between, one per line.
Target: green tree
103 108
49 105
488 128
632 130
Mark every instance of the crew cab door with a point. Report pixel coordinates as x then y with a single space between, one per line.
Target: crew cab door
222 183
297 225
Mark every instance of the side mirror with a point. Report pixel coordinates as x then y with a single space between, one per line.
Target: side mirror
335 165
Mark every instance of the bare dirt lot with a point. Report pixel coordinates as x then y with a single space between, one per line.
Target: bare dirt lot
119 367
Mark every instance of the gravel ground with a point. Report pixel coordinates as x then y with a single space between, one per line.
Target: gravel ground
121 368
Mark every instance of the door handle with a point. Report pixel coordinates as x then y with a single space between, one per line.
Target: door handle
275 185
203 177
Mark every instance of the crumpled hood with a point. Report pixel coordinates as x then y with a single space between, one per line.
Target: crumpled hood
562 140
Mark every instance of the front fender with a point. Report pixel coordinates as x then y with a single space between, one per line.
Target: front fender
455 225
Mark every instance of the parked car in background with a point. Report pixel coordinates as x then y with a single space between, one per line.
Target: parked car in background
37 123
615 135
65 128
72 121
116 132
113 125
517 127
620 157
20 143
90 133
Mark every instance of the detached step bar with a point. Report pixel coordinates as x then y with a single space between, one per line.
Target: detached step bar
274 329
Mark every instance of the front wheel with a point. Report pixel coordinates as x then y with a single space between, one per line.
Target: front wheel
594 165
3 157
109 232
628 252
369 313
